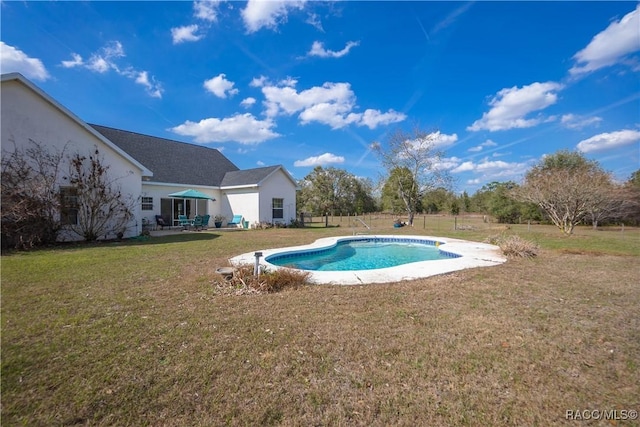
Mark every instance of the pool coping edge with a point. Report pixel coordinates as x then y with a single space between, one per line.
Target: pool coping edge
471 255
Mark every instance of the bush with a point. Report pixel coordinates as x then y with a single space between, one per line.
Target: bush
244 282
514 246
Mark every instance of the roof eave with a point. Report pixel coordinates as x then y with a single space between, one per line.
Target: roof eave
236 187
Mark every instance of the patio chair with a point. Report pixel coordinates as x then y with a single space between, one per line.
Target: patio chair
183 221
205 221
197 222
236 220
160 222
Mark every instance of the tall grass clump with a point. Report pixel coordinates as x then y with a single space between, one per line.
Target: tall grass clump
514 246
244 281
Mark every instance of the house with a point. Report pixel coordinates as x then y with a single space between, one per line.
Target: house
151 168
266 194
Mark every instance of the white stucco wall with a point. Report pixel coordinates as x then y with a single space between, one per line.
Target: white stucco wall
28 116
278 186
242 201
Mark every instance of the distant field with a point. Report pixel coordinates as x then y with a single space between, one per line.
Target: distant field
132 334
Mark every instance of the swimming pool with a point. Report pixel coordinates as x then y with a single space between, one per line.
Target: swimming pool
362 254
459 254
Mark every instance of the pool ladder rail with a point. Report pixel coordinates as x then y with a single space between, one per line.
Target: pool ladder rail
361 233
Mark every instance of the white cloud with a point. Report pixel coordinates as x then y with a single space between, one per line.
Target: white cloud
323 159
333 114
487 169
287 100
573 121
75 62
153 88
260 163
258 81
510 106
242 128
317 49
206 10
220 86
475 181
314 20
331 104
442 139
610 46
185 34
463 167
487 143
14 60
248 102
268 14
610 140
106 59
374 118
447 163
289 81
488 165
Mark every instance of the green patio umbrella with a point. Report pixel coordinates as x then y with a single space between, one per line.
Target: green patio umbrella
191 194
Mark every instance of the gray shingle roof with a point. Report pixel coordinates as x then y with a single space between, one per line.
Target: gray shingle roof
247 177
173 161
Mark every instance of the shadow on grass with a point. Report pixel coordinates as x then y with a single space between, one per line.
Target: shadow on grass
134 241
163 240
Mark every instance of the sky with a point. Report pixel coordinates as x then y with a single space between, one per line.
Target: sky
497 85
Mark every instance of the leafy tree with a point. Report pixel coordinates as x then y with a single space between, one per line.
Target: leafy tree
334 191
416 156
567 187
364 200
496 199
438 200
454 208
630 195
501 205
634 180
466 201
102 208
391 198
30 203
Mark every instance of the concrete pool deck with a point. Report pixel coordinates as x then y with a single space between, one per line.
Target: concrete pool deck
471 255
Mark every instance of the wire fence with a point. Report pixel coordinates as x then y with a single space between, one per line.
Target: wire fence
385 220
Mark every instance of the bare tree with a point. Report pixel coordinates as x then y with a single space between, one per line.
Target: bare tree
30 203
568 188
418 156
102 208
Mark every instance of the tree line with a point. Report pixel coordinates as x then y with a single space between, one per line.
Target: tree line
564 189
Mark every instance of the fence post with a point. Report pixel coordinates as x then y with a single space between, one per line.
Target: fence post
455 222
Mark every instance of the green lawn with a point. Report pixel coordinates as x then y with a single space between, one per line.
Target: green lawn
132 333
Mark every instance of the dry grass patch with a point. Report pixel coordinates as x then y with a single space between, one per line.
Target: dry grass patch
244 281
152 342
514 246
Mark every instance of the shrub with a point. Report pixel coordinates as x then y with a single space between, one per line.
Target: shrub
514 246
244 281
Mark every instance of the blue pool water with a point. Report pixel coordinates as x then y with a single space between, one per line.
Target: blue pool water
364 254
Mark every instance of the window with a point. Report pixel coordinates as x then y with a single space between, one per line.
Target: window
278 208
147 203
68 205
